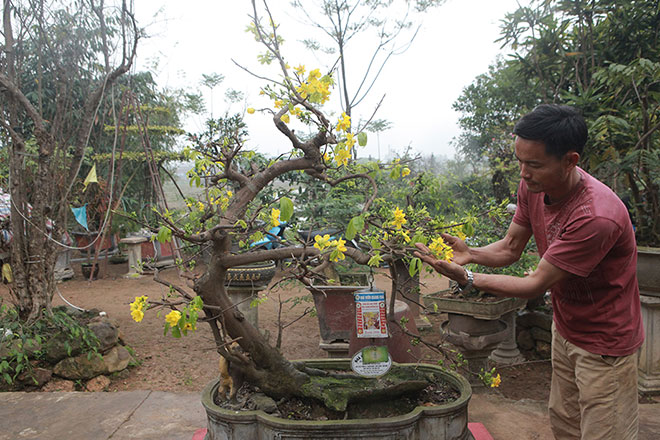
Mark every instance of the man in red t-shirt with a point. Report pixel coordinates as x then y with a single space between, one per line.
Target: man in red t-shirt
588 261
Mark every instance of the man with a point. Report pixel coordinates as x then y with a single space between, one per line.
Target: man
588 261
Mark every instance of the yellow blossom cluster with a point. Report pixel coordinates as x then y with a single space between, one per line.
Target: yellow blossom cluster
316 88
137 308
495 381
323 242
173 317
399 218
274 217
342 155
223 200
344 123
440 249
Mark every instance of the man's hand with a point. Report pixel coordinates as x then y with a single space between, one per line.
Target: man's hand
462 254
450 270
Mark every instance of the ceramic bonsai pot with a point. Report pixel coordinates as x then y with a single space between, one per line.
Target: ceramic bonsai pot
442 422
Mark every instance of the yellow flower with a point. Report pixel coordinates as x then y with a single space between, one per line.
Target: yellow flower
275 217
285 118
315 74
405 172
440 249
321 241
339 244
344 123
200 206
326 157
137 306
188 326
229 193
300 70
399 218
496 381
173 318
340 248
250 110
279 103
137 315
342 156
350 140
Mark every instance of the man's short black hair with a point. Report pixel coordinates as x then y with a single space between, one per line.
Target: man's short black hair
560 127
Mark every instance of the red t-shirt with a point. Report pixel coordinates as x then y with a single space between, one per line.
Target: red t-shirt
589 234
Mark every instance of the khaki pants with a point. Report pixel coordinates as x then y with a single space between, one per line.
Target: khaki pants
592 397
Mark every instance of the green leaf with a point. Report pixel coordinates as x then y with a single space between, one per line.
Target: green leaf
354 226
286 209
362 139
176 332
415 266
164 235
375 260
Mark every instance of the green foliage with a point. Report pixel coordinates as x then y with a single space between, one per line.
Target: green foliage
602 57
494 228
22 344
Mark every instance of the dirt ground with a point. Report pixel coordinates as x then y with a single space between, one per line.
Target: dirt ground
189 363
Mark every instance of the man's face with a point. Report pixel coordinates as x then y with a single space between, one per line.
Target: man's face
542 172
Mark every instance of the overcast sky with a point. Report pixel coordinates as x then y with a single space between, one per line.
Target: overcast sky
455 44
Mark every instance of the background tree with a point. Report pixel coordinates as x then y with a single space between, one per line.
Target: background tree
602 57
56 64
385 27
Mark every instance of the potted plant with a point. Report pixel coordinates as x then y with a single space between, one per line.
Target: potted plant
237 195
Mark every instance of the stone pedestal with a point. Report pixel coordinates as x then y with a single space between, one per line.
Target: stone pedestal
134 249
63 270
242 297
476 339
335 350
507 352
648 368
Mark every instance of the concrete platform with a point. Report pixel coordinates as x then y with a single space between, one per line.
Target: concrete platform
152 415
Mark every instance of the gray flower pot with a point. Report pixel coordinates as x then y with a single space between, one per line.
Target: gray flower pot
444 422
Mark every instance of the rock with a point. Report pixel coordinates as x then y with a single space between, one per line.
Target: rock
98 383
106 332
38 378
116 359
535 319
59 385
525 340
56 348
541 335
543 349
9 347
87 367
80 367
264 403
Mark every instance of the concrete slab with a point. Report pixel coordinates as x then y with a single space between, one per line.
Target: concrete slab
165 416
528 419
60 415
151 415
509 419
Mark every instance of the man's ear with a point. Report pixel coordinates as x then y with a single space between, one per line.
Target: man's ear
571 158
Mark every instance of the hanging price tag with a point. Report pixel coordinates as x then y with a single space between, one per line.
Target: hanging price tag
370 315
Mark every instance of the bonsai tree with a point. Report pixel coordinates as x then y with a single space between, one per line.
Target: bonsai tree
235 213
